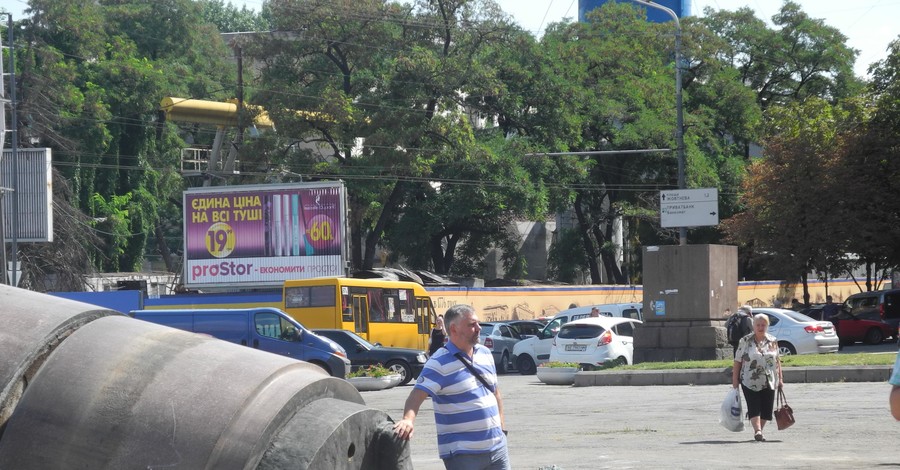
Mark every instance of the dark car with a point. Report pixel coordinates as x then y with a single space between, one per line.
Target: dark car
851 329
881 305
406 362
527 327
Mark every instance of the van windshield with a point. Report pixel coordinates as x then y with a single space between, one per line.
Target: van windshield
275 326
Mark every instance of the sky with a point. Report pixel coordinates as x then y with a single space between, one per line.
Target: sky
868 24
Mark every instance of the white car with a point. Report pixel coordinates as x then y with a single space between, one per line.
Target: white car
595 342
535 350
798 333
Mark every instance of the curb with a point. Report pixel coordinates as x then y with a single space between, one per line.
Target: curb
723 376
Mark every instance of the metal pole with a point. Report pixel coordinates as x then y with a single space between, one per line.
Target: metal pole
14 137
679 116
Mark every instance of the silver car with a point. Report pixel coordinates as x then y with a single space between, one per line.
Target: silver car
500 338
800 334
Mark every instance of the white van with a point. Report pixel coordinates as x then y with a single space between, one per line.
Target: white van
535 350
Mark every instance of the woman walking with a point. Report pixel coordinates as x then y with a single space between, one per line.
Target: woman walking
757 368
436 340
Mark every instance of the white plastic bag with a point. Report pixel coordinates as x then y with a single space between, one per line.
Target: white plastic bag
731 417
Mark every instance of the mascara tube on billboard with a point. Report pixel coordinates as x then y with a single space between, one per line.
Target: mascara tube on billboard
286 225
277 234
295 224
267 225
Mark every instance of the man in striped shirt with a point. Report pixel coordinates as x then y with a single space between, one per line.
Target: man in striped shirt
461 380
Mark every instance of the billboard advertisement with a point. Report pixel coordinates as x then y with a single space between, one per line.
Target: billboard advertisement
261 235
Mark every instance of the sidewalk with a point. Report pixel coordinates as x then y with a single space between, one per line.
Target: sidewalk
723 376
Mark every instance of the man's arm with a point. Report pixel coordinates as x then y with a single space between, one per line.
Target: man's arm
404 428
895 402
500 406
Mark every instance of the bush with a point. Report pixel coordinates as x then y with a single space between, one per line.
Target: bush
372 371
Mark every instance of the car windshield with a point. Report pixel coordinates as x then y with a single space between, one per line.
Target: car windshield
486 329
571 331
346 339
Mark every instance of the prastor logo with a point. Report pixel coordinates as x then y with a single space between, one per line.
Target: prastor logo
225 268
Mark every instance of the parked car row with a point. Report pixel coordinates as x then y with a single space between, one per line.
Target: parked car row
535 350
869 317
500 337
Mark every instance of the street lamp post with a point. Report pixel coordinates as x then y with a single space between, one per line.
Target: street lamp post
679 116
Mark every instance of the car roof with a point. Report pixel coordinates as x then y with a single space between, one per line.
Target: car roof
783 312
601 307
605 322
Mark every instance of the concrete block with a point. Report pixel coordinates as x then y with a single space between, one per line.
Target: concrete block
698 377
646 336
674 337
613 378
847 374
707 337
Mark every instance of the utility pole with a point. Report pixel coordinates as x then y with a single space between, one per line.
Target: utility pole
14 142
679 116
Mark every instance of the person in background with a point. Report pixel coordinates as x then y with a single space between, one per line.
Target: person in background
461 380
895 389
743 317
757 369
830 309
595 312
796 305
438 335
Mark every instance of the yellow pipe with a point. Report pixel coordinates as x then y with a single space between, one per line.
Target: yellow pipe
210 112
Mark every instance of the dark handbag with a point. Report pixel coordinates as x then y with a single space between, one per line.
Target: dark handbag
784 415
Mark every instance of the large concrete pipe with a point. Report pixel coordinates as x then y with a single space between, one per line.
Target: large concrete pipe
31 326
120 393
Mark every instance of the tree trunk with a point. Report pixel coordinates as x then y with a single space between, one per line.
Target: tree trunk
163 248
584 230
804 278
374 236
613 271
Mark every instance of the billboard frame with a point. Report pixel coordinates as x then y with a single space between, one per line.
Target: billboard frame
244 236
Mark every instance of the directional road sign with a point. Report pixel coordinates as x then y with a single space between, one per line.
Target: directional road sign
689 207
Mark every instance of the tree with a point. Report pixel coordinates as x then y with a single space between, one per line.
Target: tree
872 213
802 57
793 195
392 75
92 75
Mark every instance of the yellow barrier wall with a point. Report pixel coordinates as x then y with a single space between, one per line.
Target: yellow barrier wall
524 303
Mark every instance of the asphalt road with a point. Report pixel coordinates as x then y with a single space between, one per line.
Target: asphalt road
839 425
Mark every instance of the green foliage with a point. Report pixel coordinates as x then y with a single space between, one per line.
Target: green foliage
370 371
96 73
558 365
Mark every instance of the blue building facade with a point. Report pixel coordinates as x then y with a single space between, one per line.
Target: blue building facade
681 8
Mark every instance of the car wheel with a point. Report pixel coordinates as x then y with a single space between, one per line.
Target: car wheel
874 336
504 361
786 349
402 368
323 366
525 364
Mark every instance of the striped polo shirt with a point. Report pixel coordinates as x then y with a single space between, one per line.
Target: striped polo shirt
466 413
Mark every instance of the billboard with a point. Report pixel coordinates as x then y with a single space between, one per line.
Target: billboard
262 235
34 195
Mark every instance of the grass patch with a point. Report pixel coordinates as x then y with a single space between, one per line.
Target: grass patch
806 360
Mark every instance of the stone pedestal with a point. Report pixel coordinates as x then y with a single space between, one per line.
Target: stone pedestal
686 290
